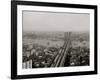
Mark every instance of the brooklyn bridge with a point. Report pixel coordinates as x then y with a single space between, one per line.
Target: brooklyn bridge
56 57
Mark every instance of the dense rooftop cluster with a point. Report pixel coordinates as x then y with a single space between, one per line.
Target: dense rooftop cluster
78 56
40 56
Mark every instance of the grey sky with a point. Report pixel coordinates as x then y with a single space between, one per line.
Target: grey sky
48 21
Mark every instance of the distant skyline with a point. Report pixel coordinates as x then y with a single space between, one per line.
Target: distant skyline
49 21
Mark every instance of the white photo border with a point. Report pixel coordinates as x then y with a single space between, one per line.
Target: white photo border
21 71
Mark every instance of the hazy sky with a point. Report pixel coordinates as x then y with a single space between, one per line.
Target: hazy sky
48 21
